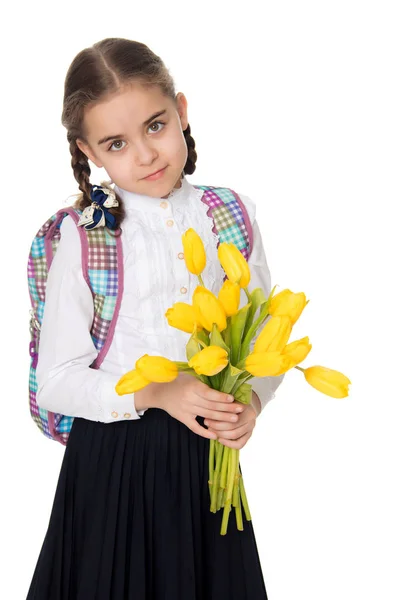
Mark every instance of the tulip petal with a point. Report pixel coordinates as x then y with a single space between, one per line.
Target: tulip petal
288 303
328 381
265 364
209 361
157 368
298 350
131 382
274 335
194 253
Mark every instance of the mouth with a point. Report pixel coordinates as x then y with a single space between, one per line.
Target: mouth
156 174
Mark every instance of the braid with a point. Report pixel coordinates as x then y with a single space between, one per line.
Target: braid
190 165
81 169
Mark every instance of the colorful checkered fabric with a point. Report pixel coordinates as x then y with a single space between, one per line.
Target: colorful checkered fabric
231 221
102 266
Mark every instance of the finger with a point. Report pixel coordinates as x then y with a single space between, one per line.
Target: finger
231 407
197 428
227 424
220 425
237 444
215 414
237 433
204 391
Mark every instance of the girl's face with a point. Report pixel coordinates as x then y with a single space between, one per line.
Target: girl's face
126 138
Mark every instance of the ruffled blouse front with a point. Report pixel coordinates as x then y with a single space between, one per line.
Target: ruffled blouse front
155 277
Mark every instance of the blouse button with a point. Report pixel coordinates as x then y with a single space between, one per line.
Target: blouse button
181 255
114 414
127 415
183 290
170 222
164 204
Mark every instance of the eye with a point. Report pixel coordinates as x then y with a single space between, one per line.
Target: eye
157 123
116 142
122 142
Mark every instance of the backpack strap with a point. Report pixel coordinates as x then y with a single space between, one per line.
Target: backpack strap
231 220
102 264
102 267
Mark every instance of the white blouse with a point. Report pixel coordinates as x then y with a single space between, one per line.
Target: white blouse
155 277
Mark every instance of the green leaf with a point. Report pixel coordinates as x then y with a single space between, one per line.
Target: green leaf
202 335
252 331
216 339
234 371
229 377
244 393
257 300
192 347
237 326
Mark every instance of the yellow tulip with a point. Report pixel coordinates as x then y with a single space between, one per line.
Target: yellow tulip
157 368
182 316
229 296
288 303
209 361
208 309
131 382
274 335
193 248
234 264
297 350
328 381
264 364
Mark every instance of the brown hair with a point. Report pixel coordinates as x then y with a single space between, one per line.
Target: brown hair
96 72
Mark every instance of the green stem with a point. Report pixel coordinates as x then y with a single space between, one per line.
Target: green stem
239 517
202 344
201 280
239 383
220 498
217 477
248 295
230 483
224 466
211 476
226 333
249 336
244 499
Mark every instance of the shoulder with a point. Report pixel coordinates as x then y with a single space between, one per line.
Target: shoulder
69 249
247 201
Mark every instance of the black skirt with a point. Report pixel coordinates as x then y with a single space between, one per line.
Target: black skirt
131 520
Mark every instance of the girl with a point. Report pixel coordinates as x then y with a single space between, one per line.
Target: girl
131 514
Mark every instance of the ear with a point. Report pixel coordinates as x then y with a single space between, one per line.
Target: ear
182 109
85 148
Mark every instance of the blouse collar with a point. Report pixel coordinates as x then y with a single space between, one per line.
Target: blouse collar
142 202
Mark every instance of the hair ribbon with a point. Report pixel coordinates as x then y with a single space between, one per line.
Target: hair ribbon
97 214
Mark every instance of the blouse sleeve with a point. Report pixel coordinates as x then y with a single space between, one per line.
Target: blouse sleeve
265 387
66 383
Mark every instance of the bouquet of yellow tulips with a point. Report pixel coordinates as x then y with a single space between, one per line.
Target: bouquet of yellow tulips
218 353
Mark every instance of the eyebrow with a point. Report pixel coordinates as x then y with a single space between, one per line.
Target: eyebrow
108 138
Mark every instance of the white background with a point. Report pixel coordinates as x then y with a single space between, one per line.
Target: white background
295 104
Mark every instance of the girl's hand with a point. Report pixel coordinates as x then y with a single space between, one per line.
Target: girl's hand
187 397
238 434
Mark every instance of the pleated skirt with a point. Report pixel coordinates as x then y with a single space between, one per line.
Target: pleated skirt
131 520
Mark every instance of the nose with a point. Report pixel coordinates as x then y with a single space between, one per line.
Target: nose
145 154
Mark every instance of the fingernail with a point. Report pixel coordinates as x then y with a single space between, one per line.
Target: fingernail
231 398
206 423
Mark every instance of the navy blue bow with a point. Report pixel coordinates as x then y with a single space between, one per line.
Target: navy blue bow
97 214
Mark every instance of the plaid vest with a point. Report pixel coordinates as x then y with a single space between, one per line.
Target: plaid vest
102 264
